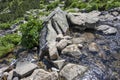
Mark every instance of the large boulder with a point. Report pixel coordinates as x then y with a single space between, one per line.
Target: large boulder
70 71
82 21
25 68
63 43
40 74
56 23
72 50
53 53
93 47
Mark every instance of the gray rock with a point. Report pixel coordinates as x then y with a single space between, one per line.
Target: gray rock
93 47
106 29
88 36
84 20
103 27
107 17
51 36
16 78
77 18
72 50
59 37
56 23
80 46
63 43
67 37
40 74
111 30
10 75
92 18
59 63
55 69
115 13
53 53
24 68
3 69
61 20
70 71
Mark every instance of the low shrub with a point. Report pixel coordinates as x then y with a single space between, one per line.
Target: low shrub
8 42
30 33
4 26
53 5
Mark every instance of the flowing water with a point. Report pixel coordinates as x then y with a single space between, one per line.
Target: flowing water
104 65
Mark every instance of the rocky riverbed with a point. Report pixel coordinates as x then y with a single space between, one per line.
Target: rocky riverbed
73 46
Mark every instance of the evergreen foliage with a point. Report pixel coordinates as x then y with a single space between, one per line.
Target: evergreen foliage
30 33
17 8
8 42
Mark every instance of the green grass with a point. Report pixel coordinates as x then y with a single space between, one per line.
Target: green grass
92 4
8 42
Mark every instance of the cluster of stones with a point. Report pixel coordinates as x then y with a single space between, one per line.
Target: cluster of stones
56 41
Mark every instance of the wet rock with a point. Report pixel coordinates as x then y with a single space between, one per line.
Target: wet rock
78 40
106 29
24 68
93 47
61 20
55 69
102 55
40 74
53 53
88 36
63 43
59 63
80 46
110 31
51 36
70 71
72 50
16 78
